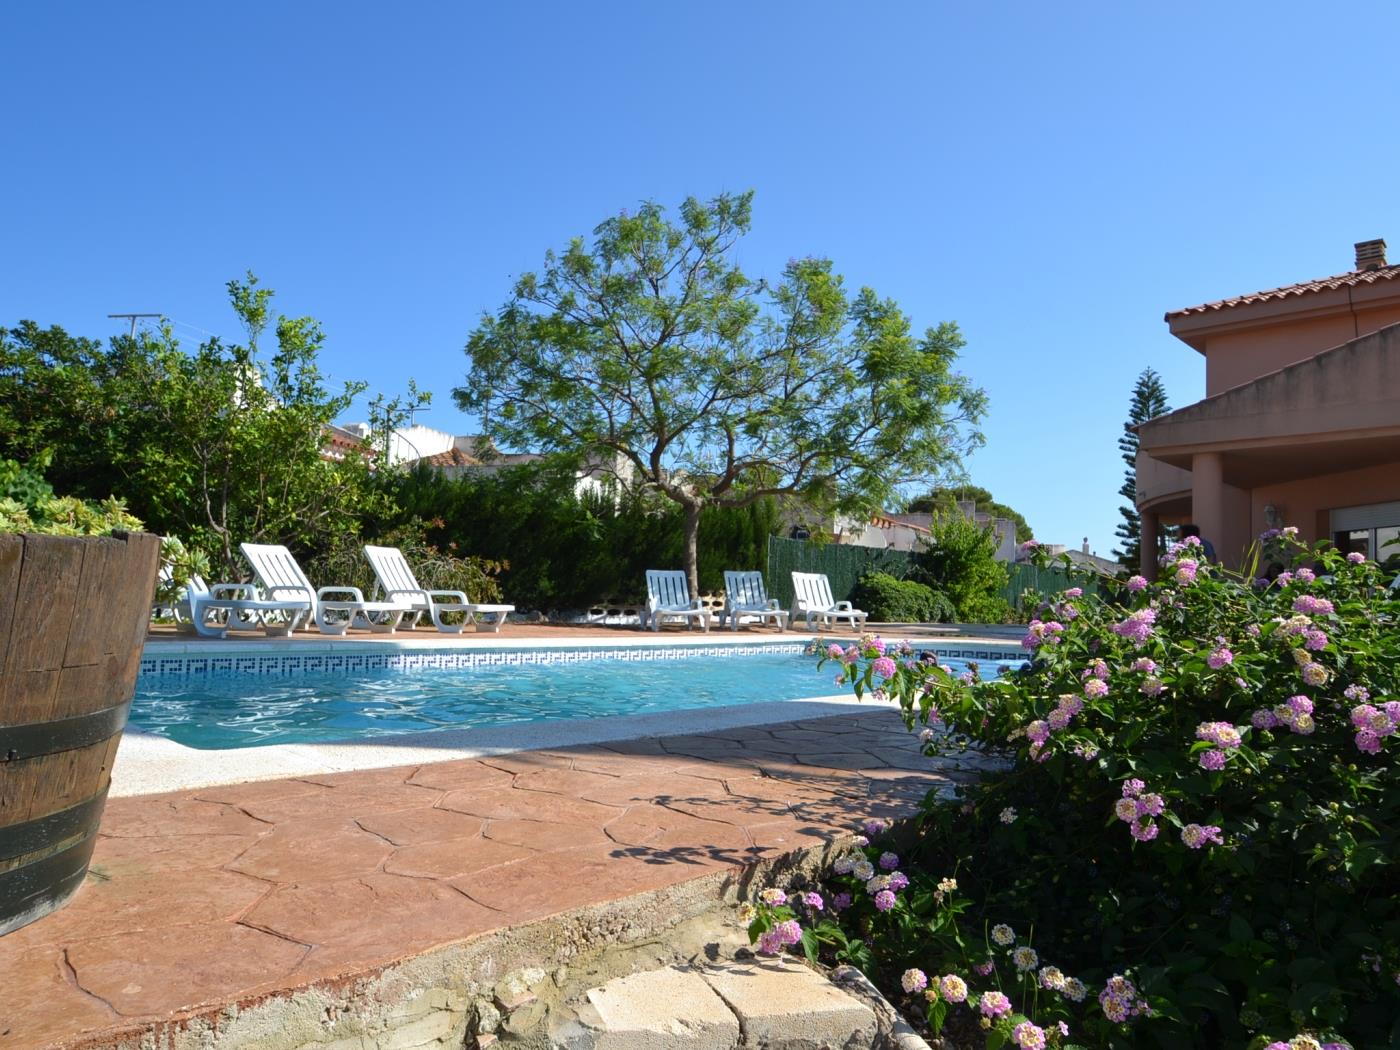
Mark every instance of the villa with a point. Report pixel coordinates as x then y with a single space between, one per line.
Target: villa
1301 420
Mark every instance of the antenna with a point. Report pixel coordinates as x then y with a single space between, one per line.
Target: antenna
133 318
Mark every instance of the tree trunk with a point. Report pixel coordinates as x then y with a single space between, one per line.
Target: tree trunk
692 552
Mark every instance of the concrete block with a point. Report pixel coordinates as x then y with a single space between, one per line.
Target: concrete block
670 1009
786 1006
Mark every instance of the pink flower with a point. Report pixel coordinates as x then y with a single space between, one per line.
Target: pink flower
982 969
1197 835
884 900
1263 719
1144 832
1133 788
1029 1036
1074 592
834 651
884 667
1311 606
1136 583
1369 742
1186 571
953 987
1144 664
1356 557
1219 658
1095 688
1221 734
994 1004
813 901
1152 686
1305 576
1137 627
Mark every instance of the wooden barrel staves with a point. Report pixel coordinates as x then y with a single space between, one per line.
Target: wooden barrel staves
73 616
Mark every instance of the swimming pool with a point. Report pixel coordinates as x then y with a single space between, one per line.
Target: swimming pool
289 700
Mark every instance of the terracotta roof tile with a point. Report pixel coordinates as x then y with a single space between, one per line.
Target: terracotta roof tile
1351 279
453 457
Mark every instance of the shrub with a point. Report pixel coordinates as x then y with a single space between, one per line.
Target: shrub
344 562
28 504
888 599
959 561
1197 814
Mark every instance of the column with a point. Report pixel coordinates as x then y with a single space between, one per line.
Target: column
1148 529
1208 495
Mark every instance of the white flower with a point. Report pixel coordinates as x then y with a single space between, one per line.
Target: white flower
1003 935
1025 958
863 870
1008 815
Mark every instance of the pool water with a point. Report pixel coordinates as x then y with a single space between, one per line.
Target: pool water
250 710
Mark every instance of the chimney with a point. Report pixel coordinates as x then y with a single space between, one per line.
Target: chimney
1086 544
1370 255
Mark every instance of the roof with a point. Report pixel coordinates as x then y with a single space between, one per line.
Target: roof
884 521
1350 279
340 434
453 457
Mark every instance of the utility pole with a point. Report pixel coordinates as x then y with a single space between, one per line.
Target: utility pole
133 318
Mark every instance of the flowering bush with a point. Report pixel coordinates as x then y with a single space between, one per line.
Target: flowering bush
1199 814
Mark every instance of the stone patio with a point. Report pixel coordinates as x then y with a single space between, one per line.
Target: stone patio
234 894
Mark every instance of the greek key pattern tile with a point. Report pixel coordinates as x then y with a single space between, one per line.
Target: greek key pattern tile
353 663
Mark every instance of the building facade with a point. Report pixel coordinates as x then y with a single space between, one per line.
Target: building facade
1301 420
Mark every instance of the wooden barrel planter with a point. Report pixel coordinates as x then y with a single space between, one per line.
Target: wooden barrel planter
73 616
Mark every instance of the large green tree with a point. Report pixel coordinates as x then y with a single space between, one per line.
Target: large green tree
1149 400
945 499
218 445
651 348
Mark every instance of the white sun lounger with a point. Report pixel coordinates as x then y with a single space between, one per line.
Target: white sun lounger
812 600
398 583
668 597
242 608
745 595
281 579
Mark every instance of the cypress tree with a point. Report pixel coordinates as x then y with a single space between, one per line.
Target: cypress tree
1148 401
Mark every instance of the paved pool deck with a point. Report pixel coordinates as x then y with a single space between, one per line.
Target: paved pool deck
241 893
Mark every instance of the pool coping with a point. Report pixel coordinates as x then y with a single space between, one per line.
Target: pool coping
147 763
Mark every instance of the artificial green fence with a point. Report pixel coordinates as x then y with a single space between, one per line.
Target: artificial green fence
844 564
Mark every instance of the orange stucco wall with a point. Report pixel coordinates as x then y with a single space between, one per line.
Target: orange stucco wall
1307 501
1238 357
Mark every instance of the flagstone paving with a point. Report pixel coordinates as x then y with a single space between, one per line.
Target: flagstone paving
218 894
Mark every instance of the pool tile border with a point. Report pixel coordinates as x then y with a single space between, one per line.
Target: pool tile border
194 664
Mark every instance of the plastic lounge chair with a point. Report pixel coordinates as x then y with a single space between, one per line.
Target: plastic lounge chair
242 608
812 599
745 595
281 579
398 583
668 597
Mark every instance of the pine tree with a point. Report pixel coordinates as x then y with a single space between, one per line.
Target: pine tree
1149 400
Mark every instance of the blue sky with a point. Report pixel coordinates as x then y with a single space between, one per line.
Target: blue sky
1052 177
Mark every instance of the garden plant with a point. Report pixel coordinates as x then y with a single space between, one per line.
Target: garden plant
1191 836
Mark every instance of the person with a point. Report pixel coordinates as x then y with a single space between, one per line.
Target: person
1206 545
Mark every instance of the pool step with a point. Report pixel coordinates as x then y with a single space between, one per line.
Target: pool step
749 1004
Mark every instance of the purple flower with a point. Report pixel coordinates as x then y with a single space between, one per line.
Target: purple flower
1356 693
1197 835
813 901
982 969
1133 788
884 900
1369 742
1311 606
1356 557
1095 688
1213 760
1137 583
841 901
1263 719
1221 734
1221 657
1305 576
876 826
898 880
1145 832
1137 627
889 861
1151 805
